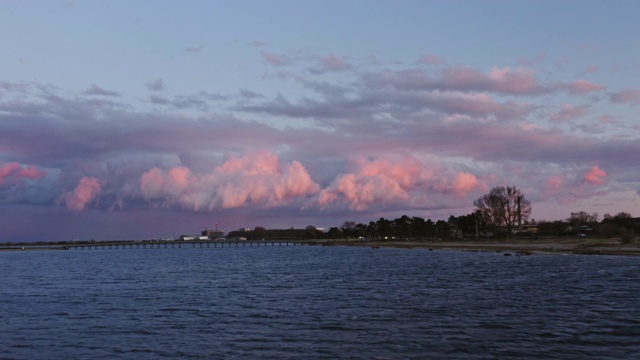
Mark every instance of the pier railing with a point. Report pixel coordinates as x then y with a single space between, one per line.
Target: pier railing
176 244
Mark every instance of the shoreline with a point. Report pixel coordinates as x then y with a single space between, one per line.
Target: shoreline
522 247
554 245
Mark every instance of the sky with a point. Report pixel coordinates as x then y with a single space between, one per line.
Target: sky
151 118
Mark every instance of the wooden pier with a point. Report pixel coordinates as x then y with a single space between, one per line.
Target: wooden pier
178 244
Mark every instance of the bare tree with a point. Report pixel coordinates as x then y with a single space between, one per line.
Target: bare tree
583 218
504 207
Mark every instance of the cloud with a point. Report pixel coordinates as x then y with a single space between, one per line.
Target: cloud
275 59
196 101
393 181
625 97
156 85
87 191
465 183
363 139
13 172
568 184
398 104
581 87
553 186
500 80
504 80
607 119
96 90
257 179
330 63
595 176
569 112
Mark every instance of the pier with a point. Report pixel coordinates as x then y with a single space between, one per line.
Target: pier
169 244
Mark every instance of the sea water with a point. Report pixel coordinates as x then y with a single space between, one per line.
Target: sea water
313 302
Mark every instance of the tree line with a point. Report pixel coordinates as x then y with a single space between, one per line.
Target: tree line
503 212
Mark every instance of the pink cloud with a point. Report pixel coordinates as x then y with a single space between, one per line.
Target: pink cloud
254 164
15 171
569 187
333 63
87 190
513 81
374 181
474 104
393 181
465 183
457 183
155 183
258 179
582 87
595 176
553 185
501 80
274 59
625 97
460 78
568 112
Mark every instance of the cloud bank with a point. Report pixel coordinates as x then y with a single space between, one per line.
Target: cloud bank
339 136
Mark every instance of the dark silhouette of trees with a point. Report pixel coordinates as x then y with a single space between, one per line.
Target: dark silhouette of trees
497 214
583 218
334 233
552 228
420 228
504 207
622 224
384 229
443 229
360 231
259 232
348 229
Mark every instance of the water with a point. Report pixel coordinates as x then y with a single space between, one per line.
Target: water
316 302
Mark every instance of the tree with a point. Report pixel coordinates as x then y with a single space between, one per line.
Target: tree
583 218
383 226
259 232
620 224
347 228
504 207
334 233
402 227
360 230
442 229
419 228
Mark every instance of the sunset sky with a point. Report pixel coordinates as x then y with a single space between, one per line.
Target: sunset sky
147 119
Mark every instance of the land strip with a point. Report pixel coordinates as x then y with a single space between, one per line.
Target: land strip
595 246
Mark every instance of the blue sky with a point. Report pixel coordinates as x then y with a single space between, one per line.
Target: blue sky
290 113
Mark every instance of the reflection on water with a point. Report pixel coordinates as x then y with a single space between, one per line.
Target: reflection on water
316 302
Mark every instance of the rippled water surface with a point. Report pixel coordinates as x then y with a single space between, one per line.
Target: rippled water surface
316 302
